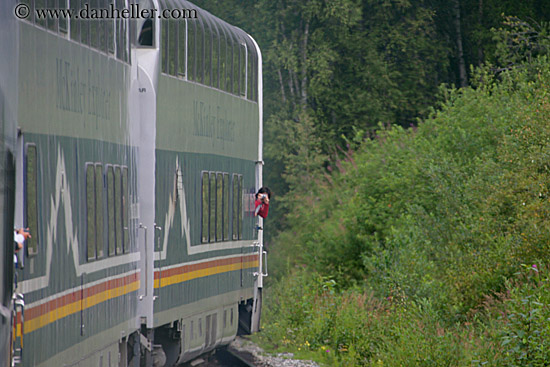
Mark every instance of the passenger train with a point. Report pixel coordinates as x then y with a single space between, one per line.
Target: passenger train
132 150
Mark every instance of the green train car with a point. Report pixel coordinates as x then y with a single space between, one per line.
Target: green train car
8 118
138 154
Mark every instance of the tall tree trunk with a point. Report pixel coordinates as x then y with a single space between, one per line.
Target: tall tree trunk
296 85
282 85
461 63
291 88
304 67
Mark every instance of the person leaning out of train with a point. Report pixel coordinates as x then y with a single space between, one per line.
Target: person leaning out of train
262 202
19 237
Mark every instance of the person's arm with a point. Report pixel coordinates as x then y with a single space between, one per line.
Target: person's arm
18 239
20 236
264 209
257 206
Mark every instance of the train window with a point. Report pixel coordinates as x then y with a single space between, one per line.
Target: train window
40 21
125 204
31 198
219 207
200 327
84 25
62 20
90 212
191 49
257 67
199 70
85 31
235 77
212 207
225 206
251 69
111 209
215 206
121 34
145 27
118 210
215 57
182 41
235 207
229 60
223 60
51 21
126 43
172 46
242 68
207 53
95 27
103 28
99 209
110 30
119 5
30 4
75 23
146 33
240 213
205 207
164 48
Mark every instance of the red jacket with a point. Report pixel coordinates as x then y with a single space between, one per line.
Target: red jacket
263 210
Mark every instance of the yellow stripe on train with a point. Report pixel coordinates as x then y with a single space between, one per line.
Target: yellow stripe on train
180 278
74 307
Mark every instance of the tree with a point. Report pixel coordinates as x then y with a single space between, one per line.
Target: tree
332 68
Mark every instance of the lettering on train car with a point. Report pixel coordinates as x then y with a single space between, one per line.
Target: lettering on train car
81 94
212 122
70 90
98 99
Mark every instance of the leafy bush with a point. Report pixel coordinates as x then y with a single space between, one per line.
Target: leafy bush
446 211
406 250
307 315
526 333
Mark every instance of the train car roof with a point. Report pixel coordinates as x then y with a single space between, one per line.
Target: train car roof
213 22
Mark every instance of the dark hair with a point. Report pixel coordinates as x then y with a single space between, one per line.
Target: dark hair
264 190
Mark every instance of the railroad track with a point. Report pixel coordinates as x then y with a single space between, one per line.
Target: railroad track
235 359
225 357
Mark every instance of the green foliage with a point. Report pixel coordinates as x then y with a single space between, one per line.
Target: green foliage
519 42
307 315
424 210
525 334
419 231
